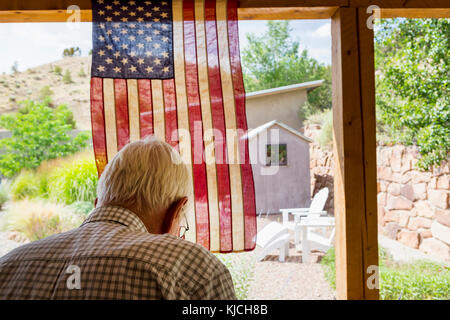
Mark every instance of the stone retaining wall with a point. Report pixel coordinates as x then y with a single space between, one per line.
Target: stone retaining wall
413 205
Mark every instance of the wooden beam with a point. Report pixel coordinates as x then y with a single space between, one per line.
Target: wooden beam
355 197
286 13
400 3
415 13
43 16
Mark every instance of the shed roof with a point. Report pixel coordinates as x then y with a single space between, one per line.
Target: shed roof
298 86
254 132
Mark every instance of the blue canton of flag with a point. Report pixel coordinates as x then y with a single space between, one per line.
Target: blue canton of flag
132 39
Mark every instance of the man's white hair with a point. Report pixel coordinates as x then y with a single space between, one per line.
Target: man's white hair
147 175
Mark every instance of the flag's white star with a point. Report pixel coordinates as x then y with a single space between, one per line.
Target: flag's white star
116 13
140 19
124 31
117 54
124 61
116 38
165 54
165 69
132 54
164 26
124 8
109 60
131 3
108 19
116 25
157 46
101 53
132 14
140 8
155 8
100 1
157 61
140 45
140 61
148 14
101 68
116 2
132 38
148 53
132 25
165 39
124 46
109 47
108 8
102 25
109 32
148 25
148 38
116 69
156 32
140 32
124 19
164 3
132 69
101 38
156 20
149 69
101 12
164 15
148 2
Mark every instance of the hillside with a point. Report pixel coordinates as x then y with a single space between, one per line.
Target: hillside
28 84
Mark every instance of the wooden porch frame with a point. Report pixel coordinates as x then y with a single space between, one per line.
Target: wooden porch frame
353 109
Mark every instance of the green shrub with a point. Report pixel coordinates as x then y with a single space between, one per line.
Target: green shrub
25 185
82 74
67 78
45 92
325 138
57 70
38 133
76 180
241 267
4 193
37 219
419 280
82 207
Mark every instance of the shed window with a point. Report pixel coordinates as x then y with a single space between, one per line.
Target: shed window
276 155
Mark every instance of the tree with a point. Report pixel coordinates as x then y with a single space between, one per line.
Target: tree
70 52
413 92
40 134
15 67
273 60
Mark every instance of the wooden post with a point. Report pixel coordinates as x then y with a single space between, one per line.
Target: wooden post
355 196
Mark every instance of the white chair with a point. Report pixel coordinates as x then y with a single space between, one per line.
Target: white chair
312 240
272 237
314 210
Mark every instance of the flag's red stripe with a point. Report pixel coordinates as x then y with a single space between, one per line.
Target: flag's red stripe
195 126
248 186
218 119
98 124
145 107
170 112
121 104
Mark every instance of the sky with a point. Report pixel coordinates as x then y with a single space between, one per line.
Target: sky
33 44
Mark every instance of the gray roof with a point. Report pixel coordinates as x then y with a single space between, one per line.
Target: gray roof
254 132
298 86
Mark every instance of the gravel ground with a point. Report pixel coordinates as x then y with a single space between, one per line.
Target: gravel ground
289 280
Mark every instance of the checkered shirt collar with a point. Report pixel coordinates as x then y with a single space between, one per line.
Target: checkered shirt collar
116 214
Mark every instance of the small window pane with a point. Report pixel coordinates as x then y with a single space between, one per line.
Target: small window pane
276 155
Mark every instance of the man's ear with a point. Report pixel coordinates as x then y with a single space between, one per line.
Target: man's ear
171 218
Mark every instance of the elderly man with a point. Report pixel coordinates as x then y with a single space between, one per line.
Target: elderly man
130 246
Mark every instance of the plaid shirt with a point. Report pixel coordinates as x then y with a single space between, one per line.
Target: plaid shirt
114 257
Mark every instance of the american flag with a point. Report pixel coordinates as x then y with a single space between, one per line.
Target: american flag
172 69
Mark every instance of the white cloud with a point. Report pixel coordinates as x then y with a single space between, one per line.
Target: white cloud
323 31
